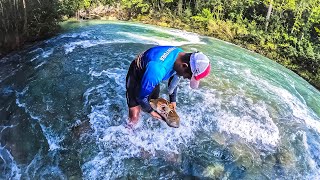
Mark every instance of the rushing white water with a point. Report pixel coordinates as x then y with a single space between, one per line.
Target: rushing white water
63 112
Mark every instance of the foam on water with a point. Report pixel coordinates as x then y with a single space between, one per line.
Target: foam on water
117 143
74 35
53 139
300 111
310 156
265 131
89 43
117 74
250 127
9 168
311 162
20 94
243 118
39 65
47 53
40 169
84 34
122 144
40 55
158 41
192 38
2 128
40 52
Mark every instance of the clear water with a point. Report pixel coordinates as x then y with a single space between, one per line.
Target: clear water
251 119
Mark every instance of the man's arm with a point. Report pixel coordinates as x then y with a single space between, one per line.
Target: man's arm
173 96
143 100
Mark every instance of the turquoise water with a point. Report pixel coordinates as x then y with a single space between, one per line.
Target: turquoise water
251 119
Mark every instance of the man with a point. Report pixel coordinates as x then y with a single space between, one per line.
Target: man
158 64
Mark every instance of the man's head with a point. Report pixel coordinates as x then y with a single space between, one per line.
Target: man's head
200 68
193 66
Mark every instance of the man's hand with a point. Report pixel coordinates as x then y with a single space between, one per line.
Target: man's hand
156 115
173 105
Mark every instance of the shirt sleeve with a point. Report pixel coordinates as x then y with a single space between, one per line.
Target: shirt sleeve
173 96
152 77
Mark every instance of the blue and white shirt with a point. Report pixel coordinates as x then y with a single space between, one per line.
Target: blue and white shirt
158 63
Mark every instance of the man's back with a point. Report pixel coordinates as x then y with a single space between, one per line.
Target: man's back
162 58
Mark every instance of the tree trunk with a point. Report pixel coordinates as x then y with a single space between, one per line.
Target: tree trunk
268 16
16 24
25 22
196 7
179 7
159 5
3 18
77 15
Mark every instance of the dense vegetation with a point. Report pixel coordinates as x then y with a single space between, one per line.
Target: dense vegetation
287 31
26 20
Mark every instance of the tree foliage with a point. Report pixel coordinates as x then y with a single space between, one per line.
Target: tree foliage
26 20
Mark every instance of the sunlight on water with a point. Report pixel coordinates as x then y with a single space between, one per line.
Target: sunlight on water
63 112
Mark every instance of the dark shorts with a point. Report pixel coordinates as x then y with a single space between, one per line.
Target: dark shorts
133 85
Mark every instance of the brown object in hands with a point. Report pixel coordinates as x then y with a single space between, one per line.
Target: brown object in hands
166 111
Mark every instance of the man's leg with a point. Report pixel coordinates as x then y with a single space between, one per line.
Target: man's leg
131 94
134 113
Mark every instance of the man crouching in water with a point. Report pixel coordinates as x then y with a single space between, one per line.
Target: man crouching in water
158 64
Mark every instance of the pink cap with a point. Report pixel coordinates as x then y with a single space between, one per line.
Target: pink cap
200 68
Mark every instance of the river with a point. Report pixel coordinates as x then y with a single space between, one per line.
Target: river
250 119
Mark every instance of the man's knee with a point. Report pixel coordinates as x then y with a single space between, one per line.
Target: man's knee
134 117
134 113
